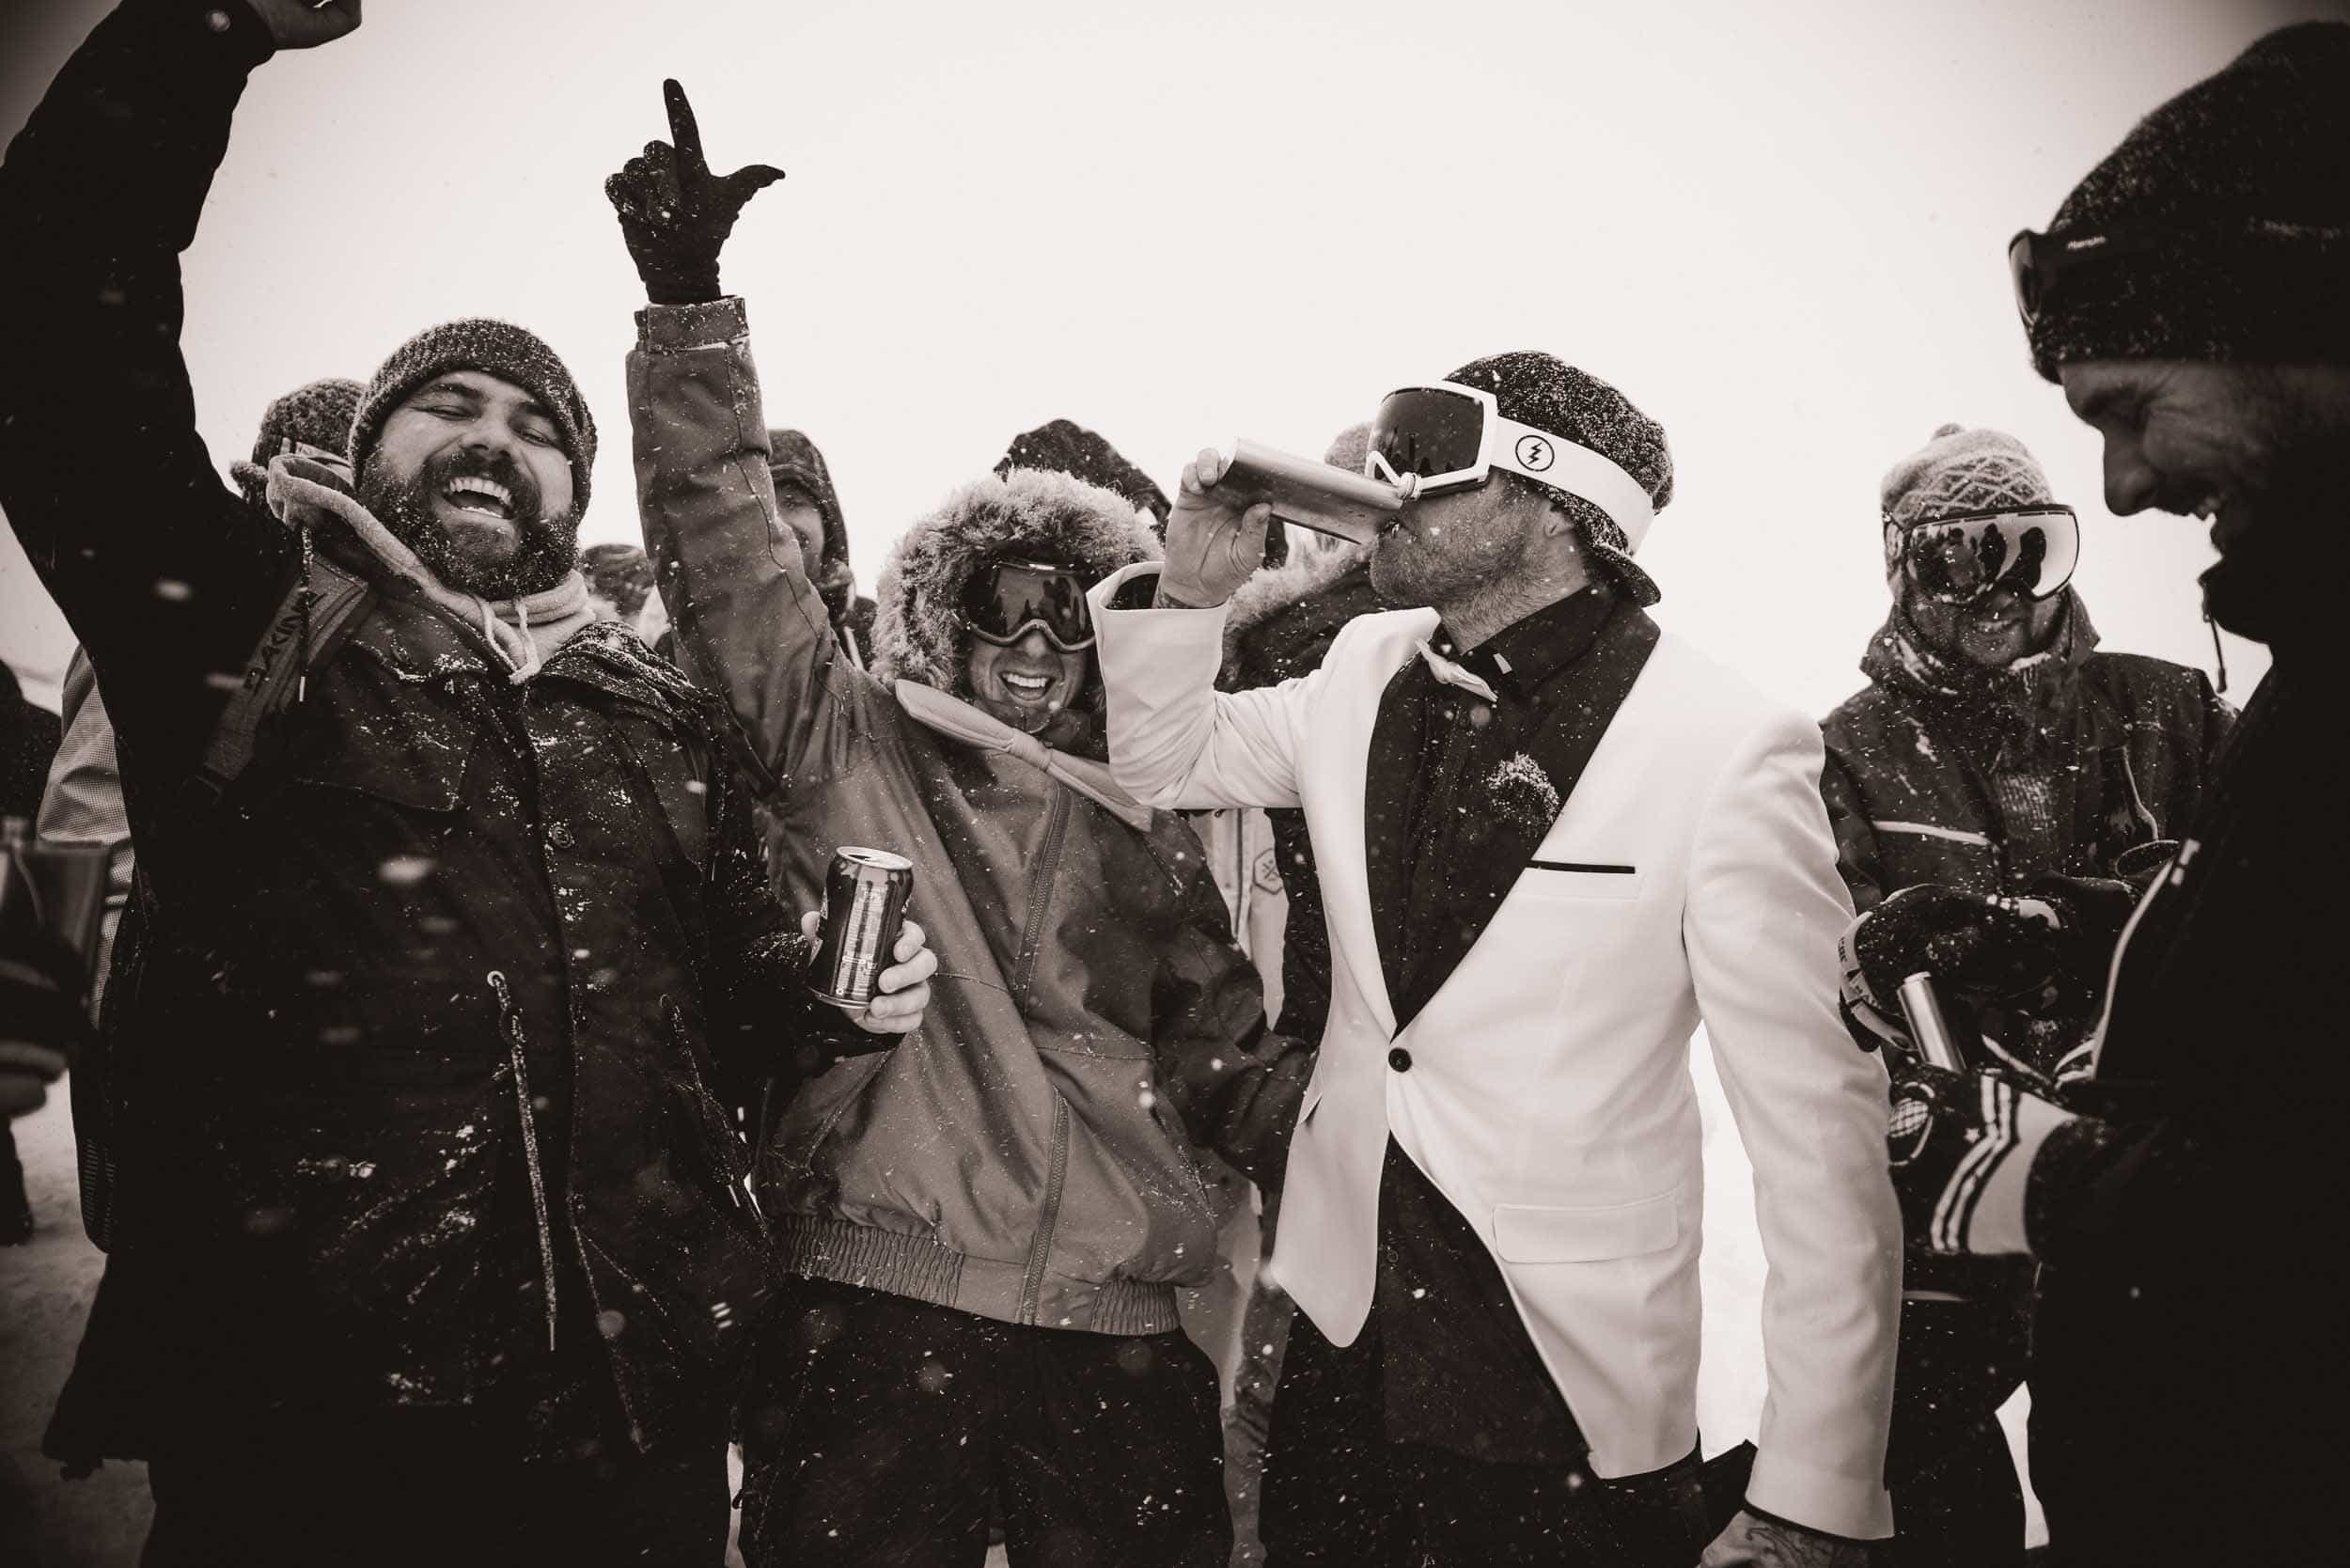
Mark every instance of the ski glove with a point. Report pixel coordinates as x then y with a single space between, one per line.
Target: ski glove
1961 1146
1980 948
674 214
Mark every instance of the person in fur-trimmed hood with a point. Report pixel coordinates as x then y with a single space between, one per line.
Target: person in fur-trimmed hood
1005 1206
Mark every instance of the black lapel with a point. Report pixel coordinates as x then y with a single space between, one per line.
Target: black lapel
1390 768
1561 749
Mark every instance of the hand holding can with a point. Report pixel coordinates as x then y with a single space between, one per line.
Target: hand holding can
871 962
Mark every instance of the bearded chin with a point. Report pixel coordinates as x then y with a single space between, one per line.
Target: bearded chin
546 552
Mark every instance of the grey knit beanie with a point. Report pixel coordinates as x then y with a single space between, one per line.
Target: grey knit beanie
315 418
1959 470
497 349
1538 389
2228 211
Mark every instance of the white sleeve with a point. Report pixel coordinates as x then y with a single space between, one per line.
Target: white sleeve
1765 909
1177 742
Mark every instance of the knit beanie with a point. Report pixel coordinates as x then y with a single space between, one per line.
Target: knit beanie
1064 447
1537 389
316 416
1959 471
2229 209
496 349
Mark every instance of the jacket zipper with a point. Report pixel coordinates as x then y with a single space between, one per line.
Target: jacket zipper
511 1028
1056 1172
1055 1180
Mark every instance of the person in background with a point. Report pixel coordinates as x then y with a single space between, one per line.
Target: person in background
428 1240
810 502
619 580
980 1235
1996 751
2192 297
28 739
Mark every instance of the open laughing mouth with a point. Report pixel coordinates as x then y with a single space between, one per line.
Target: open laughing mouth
482 498
1028 689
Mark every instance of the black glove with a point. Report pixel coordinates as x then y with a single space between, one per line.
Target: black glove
1947 1137
676 214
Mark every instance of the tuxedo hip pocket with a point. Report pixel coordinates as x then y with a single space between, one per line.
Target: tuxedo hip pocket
1533 1233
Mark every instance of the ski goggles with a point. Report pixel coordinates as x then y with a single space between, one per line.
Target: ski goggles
1003 601
2030 551
1430 440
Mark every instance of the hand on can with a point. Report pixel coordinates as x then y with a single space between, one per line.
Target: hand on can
902 991
1212 543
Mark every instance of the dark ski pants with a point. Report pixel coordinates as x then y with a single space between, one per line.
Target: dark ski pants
429 1486
880 1429
1340 1494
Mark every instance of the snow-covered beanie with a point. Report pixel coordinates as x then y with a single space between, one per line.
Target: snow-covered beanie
1538 389
920 633
497 349
2234 202
1067 447
1959 470
313 418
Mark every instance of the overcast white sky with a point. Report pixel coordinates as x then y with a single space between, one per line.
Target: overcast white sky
1779 229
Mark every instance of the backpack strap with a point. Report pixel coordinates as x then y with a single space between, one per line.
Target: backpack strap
319 610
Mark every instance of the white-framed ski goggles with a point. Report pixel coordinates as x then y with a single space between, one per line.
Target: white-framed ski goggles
1443 436
1957 560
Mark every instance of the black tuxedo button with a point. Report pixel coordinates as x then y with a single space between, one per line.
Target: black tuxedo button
1400 1060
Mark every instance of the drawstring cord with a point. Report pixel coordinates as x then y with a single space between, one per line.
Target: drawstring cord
510 1026
302 598
2219 654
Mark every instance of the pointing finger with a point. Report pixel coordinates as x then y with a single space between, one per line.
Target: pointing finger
682 130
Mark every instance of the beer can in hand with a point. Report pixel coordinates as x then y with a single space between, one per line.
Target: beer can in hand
865 905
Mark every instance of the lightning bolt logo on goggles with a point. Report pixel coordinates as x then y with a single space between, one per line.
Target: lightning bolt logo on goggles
1430 440
1008 598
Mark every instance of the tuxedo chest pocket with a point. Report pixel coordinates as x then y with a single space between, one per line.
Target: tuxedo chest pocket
1580 879
1529 1233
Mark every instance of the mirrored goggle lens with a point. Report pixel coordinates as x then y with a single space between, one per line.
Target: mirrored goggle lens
1003 601
1426 431
1959 560
2030 281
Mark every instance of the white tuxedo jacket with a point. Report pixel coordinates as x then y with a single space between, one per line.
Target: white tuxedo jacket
1548 1092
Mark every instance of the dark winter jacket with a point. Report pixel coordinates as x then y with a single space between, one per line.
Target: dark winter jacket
1022 1156
431 998
2187 1357
2106 752
1281 622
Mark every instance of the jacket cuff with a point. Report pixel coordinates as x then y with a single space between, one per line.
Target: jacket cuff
244 40
1997 1226
678 328
2058 1173
1817 1500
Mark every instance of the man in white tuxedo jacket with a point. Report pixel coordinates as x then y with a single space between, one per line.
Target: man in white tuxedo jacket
1552 839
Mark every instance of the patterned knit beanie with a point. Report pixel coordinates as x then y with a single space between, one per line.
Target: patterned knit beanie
495 349
1535 388
2229 211
618 573
314 417
1958 471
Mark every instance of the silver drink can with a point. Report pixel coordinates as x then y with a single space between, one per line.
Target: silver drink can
865 905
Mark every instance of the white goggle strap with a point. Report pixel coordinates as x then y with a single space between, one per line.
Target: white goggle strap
1577 470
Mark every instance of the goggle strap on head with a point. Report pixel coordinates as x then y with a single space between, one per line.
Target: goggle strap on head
1540 456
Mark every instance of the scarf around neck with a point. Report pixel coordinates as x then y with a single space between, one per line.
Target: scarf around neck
522 632
1995 707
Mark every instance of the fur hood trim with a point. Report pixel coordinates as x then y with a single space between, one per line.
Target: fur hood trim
1277 587
919 633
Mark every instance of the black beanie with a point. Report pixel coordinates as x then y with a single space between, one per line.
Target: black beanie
2234 199
1539 389
1064 447
496 349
